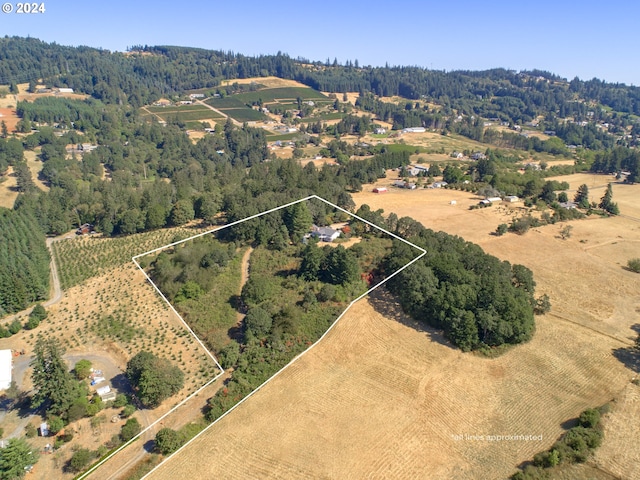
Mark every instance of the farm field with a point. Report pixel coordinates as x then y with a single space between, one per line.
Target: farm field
10 117
379 391
108 313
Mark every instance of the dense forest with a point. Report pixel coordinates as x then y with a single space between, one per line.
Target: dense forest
145 73
24 262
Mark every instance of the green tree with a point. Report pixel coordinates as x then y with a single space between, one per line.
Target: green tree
130 429
502 229
79 460
15 457
606 202
54 386
258 322
341 267
82 369
634 265
582 196
55 424
38 312
168 441
4 131
154 378
566 232
298 220
182 212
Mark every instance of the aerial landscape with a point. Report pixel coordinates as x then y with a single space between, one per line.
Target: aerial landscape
231 250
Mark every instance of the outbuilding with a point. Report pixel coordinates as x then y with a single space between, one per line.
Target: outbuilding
380 190
6 366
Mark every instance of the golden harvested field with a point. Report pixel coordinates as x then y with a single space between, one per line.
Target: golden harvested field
383 397
619 453
269 82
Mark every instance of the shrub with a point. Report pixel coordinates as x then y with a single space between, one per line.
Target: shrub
121 400
634 265
82 369
168 441
15 327
30 430
127 411
590 418
502 229
55 424
80 459
130 429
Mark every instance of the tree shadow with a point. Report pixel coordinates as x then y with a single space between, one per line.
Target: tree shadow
121 383
386 304
630 356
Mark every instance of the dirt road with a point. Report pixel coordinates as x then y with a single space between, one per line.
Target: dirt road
55 292
244 267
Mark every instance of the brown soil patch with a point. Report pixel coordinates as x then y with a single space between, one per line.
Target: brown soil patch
8 192
10 117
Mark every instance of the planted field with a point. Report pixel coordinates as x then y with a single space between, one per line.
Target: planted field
232 101
244 114
81 258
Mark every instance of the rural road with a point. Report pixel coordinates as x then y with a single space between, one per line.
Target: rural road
218 112
55 291
244 268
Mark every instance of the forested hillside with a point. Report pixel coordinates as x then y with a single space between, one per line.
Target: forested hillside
146 73
24 262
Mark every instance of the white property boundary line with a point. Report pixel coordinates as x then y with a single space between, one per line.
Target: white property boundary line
135 260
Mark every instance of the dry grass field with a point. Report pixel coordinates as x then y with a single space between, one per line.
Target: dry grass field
35 167
8 192
382 397
269 82
10 117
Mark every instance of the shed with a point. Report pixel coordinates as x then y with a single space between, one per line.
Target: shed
103 390
65 90
44 429
511 199
6 365
453 202
109 396
399 183
380 190
494 199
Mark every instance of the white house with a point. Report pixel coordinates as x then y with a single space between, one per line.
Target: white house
6 365
324 234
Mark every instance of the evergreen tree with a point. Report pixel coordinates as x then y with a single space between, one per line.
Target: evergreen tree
15 457
606 202
582 196
54 385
